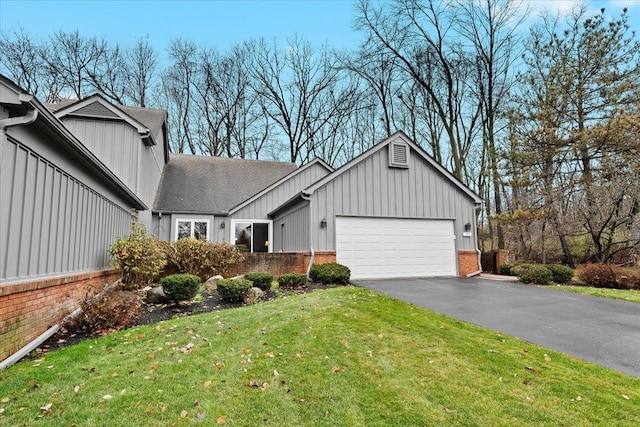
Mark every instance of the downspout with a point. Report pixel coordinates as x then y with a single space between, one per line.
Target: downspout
27 119
475 223
313 252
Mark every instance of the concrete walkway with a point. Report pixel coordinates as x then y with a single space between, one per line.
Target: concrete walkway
599 330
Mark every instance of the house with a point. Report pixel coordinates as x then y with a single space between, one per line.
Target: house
70 177
391 212
72 173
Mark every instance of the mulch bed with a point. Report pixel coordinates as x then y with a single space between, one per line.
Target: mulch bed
154 313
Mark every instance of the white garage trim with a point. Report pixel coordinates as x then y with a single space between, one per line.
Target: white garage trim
396 247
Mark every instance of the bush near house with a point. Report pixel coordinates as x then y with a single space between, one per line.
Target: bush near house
233 290
180 287
203 258
293 280
533 273
561 273
112 309
140 257
608 276
508 269
330 273
260 280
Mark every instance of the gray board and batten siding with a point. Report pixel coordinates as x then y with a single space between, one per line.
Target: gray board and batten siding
120 142
60 207
369 187
276 184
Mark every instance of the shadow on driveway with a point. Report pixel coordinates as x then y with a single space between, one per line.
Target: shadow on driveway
599 330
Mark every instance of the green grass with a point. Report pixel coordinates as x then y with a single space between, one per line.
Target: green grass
621 294
344 356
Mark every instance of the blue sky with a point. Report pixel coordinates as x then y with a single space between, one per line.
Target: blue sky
218 23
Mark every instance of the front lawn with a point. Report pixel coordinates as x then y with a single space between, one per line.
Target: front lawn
622 294
344 356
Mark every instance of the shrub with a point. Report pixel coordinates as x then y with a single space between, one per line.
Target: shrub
608 276
331 273
111 310
140 257
292 280
260 280
203 258
233 290
180 287
561 273
508 269
535 273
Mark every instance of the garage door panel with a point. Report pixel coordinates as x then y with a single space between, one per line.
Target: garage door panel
394 247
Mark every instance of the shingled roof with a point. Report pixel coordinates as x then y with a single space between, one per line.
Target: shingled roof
205 184
151 118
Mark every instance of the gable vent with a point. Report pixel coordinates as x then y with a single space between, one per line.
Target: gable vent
398 155
96 109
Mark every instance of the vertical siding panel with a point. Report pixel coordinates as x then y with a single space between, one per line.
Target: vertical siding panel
369 193
36 222
406 191
60 231
27 201
45 220
359 191
17 207
383 173
412 188
335 196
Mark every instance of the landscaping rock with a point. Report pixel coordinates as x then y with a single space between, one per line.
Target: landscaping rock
156 296
210 285
254 294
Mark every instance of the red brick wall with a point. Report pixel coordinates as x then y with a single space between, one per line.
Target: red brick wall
281 263
27 309
502 257
467 262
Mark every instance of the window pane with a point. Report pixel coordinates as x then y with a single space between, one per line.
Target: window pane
243 236
200 230
184 229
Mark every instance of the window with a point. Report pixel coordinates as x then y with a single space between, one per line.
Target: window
198 228
251 235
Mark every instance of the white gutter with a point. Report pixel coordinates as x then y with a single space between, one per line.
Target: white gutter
27 119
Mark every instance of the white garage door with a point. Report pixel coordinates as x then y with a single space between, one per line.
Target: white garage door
394 247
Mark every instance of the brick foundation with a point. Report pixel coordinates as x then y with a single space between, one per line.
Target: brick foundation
29 308
281 263
467 262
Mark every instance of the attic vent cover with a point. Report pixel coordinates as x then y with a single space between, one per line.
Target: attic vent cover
398 155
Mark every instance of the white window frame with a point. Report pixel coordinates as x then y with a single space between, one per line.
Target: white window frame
232 231
192 220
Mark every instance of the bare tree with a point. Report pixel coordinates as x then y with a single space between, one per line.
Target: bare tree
491 27
300 90
141 68
419 35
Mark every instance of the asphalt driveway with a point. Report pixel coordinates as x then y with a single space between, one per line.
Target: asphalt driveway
599 330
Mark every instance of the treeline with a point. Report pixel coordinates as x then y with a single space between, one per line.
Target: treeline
538 116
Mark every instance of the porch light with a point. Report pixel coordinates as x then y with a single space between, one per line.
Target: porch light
222 224
323 223
467 227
